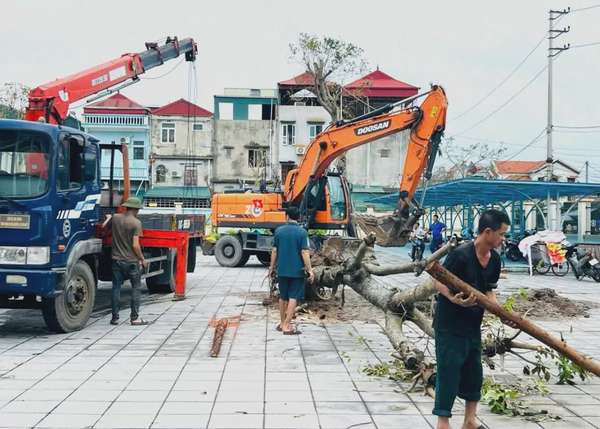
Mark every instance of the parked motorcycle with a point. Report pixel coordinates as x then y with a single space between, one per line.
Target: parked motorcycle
583 263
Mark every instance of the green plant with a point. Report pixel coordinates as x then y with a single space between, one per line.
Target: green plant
568 370
501 399
509 303
393 370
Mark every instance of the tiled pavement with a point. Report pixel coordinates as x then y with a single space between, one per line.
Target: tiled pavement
160 375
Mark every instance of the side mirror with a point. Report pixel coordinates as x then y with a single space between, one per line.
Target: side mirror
76 139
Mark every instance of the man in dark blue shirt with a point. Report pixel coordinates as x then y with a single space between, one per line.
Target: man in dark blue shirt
436 229
290 259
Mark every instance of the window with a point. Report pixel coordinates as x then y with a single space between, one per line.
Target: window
198 127
161 174
384 153
254 92
288 133
226 111
255 112
91 162
24 163
190 176
138 150
571 179
314 130
70 164
257 158
336 198
168 132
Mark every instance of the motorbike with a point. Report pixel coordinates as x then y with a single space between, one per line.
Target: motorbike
418 247
583 263
512 245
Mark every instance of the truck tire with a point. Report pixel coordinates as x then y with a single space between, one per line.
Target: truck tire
229 252
165 282
264 258
71 310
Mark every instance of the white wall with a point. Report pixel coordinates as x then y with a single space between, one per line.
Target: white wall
302 116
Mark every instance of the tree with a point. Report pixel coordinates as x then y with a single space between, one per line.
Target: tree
329 61
13 100
475 158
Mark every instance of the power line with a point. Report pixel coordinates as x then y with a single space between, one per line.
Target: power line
585 8
535 139
577 127
585 45
493 112
485 97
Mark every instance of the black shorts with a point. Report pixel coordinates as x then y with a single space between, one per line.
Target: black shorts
291 288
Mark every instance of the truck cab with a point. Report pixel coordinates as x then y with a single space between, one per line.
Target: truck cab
49 208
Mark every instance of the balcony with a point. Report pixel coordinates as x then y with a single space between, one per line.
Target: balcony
134 173
115 121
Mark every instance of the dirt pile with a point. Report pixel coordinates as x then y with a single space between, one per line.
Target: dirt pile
546 304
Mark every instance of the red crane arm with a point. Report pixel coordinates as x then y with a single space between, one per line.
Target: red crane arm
51 100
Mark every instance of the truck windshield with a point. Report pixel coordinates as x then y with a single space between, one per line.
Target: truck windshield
24 162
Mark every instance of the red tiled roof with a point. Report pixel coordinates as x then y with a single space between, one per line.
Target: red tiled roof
181 107
116 104
380 84
518 167
304 79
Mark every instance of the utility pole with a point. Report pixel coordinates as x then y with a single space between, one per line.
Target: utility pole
587 172
553 33
553 15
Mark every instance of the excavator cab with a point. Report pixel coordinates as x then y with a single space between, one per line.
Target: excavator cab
327 203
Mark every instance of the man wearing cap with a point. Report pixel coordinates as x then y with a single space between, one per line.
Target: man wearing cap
127 257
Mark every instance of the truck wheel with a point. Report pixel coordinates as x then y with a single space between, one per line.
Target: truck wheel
264 258
229 252
165 282
71 310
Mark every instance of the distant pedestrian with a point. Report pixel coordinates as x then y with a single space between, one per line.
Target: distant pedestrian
436 230
127 257
290 261
457 320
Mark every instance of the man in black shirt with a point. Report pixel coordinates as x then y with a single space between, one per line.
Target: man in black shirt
457 320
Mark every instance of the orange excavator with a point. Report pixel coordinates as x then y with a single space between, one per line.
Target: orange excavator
323 197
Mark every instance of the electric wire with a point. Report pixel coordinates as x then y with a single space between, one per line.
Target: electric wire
514 70
584 45
510 99
535 139
585 8
166 73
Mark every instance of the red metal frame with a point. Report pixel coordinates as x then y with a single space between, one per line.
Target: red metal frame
178 240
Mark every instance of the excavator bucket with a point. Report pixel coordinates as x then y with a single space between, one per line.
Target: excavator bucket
391 230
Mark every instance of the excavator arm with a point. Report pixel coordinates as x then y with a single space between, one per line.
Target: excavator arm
427 123
51 101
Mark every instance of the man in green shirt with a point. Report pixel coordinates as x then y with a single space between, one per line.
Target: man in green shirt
127 257
457 320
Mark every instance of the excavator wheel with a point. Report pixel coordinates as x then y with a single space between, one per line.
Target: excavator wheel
229 252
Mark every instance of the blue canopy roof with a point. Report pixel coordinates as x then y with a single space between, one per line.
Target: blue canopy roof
472 191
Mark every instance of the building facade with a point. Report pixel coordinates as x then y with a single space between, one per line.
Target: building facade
117 120
244 137
181 135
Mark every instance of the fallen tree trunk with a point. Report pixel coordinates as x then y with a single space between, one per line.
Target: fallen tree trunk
456 285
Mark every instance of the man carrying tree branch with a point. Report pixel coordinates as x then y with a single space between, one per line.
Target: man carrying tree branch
457 320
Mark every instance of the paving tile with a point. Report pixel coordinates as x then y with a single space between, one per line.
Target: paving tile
291 407
291 421
178 407
224 407
68 421
169 421
333 408
388 421
124 421
143 395
82 407
584 410
125 407
394 408
288 395
567 422
344 421
29 406
94 395
16 420
236 421
575 399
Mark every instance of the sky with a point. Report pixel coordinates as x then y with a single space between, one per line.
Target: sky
469 47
